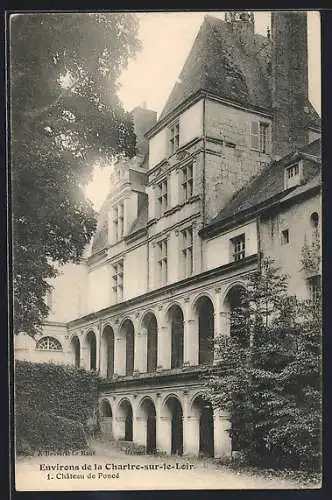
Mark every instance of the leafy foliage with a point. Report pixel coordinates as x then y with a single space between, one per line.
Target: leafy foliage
59 390
65 118
40 431
268 374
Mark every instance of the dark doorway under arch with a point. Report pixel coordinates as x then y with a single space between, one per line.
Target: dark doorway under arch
150 323
91 339
129 425
77 351
105 409
151 436
206 426
108 345
175 408
205 311
177 336
127 330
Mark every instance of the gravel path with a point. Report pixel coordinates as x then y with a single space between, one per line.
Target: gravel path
111 469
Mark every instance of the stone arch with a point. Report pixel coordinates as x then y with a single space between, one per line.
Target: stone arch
105 408
107 352
172 414
149 327
235 309
127 335
176 323
76 350
202 425
91 342
146 415
204 312
125 419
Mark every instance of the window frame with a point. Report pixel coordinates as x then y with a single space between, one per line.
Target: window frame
47 338
162 261
284 237
174 137
162 197
187 181
257 143
118 221
118 280
187 251
314 284
238 253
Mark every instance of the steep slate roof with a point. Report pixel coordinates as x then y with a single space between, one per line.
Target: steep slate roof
219 63
270 183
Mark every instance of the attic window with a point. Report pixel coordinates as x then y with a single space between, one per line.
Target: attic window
293 174
174 140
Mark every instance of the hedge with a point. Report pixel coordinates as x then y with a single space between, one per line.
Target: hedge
52 403
39 431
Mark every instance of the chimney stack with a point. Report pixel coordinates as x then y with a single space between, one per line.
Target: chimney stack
143 119
289 81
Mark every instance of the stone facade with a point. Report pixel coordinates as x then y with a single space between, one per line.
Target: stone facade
157 283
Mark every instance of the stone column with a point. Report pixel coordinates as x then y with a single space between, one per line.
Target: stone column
222 439
119 355
119 427
139 430
164 434
191 435
221 320
140 358
190 336
164 342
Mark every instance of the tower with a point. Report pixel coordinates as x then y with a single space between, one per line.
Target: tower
289 81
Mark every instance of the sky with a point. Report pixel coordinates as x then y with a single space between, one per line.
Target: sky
167 39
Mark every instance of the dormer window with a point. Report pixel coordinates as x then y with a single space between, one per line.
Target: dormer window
293 175
174 140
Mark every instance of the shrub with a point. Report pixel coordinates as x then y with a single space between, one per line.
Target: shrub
39 431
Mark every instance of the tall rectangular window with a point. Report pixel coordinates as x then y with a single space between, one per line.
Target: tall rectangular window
187 181
263 137
238 247
118 221
260 136
162 261
174 140
314 284
117 280
187 251
162 200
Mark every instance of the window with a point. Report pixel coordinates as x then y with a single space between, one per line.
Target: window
314 220
118 222
162 261
238 245
263 137
187 251
285 237
293 175
48 344
117 279
292 171
187 181
260 136
174 137
314 284
162 197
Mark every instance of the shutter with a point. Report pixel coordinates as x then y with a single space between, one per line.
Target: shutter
254 135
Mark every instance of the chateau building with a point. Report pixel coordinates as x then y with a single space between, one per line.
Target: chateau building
229 173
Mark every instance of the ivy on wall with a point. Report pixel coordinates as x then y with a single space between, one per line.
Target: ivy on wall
311 255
